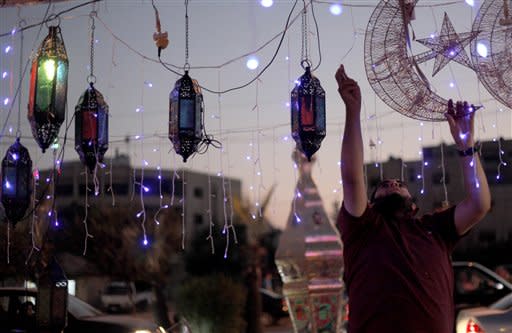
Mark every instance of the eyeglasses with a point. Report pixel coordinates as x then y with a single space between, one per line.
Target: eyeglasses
391 182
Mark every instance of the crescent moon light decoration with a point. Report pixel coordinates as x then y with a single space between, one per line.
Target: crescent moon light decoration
491 51
394 75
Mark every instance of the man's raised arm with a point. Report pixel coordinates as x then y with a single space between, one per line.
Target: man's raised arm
478 197
352 173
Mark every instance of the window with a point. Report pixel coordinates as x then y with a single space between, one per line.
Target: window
437 178
198 219
198 192
64 189
121 189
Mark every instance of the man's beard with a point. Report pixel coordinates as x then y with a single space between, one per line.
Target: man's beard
394 206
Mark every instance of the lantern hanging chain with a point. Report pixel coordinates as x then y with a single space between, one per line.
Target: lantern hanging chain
91 79
305 62
186 67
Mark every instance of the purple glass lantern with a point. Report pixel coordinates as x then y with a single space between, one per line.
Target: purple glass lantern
16 181
308 114
91 127
186 116
48 89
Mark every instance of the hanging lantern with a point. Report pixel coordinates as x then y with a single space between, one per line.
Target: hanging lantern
310 260
91 127
308 113
16 181
48 89
186 116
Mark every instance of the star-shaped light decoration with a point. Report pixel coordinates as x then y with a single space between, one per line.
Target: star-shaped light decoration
447 46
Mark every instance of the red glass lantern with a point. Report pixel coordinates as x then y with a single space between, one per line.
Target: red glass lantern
308 114
91 127
16 181
48 89
186 109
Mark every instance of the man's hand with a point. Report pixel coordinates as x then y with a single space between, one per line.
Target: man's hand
349 90
461 118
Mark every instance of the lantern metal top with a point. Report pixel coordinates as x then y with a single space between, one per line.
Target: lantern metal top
52 45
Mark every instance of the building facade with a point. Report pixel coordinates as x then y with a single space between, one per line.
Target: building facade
201 196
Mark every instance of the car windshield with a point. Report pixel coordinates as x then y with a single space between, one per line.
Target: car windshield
80 309
117 290
503 304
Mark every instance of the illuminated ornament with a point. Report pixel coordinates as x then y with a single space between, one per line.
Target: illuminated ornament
186 116
16 181
308 113
309 258
91 127
48 89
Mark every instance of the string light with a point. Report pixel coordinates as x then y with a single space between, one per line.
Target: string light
336 9
266 3
420 152
252 63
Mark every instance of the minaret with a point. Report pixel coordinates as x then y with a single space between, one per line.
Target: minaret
310 259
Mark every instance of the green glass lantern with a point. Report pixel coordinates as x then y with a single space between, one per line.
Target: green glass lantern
186 109
48 89
308 114
91 127
16 182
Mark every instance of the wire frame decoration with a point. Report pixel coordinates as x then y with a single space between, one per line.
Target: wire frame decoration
308 114
48 89
392 73
186 109
16 181
91 127
491 52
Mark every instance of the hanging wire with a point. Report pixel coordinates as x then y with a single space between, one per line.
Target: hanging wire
91 79
166 66
304 56
317 37
52 17
186 67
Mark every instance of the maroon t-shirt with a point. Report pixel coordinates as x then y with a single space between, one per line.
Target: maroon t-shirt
398 274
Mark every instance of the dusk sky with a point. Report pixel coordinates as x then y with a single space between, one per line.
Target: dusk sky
252 123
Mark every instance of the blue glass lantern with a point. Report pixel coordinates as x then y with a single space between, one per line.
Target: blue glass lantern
16 182
308 114
91 127
48 89
186 109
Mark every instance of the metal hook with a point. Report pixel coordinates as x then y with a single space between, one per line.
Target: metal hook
305 64
52 17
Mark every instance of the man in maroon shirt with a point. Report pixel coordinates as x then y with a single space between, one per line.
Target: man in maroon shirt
397 266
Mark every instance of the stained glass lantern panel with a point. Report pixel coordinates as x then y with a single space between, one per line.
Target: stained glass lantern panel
308 123
16 181
48 89
186 109
91 127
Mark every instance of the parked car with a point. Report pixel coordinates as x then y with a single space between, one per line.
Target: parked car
497 318
126 296
82 317
476 285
